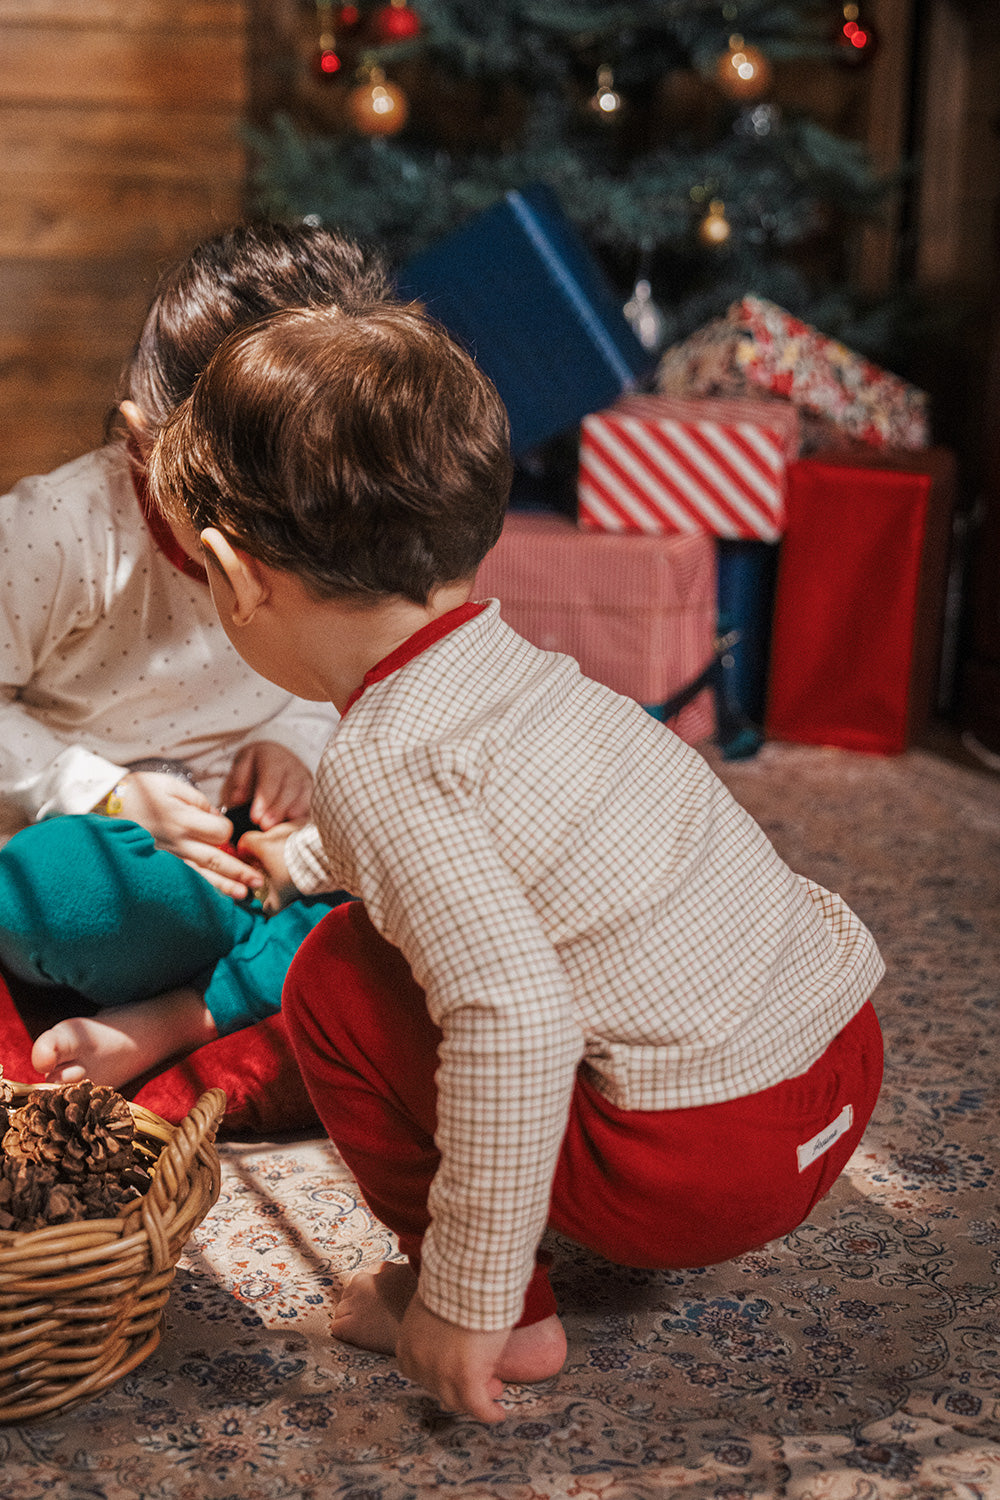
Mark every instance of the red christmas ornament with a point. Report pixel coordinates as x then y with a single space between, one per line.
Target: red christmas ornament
326 62
395 22
855 38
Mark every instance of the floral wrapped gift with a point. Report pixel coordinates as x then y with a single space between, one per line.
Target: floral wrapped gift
759 346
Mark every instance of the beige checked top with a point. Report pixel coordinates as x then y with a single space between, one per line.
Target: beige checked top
571 884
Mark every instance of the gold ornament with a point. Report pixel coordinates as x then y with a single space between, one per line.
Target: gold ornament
605 102
743 72
376 106
715 228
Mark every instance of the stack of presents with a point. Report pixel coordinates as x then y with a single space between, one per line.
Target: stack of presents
760 530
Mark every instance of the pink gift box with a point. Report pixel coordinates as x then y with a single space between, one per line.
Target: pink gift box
638 613
657 464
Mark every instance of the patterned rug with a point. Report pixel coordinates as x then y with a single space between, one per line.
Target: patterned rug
858 1359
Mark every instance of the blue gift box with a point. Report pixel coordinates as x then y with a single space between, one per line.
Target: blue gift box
747 573
521 290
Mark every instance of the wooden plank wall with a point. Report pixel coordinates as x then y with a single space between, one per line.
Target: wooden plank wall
119 149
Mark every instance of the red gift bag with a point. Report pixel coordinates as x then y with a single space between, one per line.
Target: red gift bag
859 600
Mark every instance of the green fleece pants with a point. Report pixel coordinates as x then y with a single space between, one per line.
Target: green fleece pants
91 903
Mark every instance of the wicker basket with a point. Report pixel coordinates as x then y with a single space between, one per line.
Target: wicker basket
82 1304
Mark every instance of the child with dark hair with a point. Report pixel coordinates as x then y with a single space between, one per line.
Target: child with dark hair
579 987
128 724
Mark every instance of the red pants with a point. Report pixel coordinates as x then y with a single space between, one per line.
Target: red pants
664 1188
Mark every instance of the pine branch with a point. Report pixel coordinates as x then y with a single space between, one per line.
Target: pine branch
637 199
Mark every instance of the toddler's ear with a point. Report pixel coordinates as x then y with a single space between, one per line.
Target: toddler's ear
247 579
138 428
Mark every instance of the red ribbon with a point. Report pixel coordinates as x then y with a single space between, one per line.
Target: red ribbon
158 525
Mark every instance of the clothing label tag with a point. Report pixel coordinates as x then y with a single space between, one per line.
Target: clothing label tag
810 1151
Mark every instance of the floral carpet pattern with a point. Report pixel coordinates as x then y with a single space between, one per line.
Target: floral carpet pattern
858 1359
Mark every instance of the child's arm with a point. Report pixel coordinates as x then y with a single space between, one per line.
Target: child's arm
454 1364
436 886
268 851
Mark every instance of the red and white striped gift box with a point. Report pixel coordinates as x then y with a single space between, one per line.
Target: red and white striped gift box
657 464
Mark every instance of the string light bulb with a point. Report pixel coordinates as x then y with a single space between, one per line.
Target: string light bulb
326 61
376 106
855 38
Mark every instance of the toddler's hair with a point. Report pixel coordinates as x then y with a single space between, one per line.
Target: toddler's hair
367 454
228 281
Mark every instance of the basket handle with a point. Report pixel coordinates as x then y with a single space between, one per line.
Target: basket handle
163 1207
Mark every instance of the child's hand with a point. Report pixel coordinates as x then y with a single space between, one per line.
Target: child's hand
182 819
454 1364
273 780
267 851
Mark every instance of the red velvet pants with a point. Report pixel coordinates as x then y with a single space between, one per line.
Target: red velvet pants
666 1188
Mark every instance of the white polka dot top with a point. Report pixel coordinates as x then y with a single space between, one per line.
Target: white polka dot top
109 653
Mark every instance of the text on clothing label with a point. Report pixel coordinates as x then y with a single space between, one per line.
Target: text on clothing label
810 1151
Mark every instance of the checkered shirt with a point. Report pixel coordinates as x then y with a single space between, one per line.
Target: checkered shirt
570 884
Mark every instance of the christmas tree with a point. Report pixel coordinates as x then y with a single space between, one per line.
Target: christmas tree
653 121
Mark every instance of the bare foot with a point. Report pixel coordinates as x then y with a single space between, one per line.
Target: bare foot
534 1352
372 1305
117 1045
86 1047
371 1310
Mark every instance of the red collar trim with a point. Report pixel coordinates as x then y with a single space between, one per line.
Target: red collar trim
161 533
434 630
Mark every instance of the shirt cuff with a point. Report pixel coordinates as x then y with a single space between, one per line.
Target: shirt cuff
75 782
306 862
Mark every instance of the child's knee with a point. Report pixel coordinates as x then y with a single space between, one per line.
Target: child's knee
347 981
320 971
92 903
47 886
41 862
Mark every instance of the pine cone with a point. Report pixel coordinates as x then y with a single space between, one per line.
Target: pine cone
80 1129
6 1099
68 1154
105 1197
29 1195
